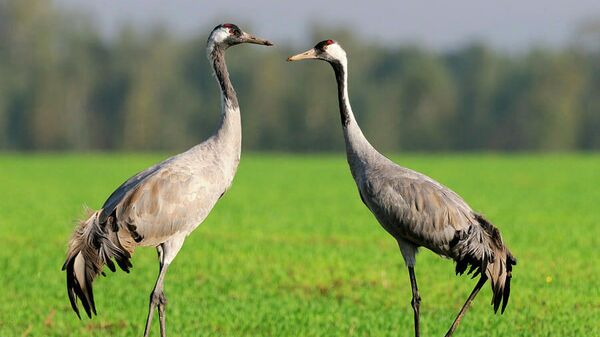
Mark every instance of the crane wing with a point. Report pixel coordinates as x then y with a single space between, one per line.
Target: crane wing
416 207
125 188
165 201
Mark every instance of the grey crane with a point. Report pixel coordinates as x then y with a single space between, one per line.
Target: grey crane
162 205
415 209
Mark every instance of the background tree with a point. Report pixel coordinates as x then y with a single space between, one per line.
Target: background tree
64 87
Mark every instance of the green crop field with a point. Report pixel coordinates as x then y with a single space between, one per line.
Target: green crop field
292 251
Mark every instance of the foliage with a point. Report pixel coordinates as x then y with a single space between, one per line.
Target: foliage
63 87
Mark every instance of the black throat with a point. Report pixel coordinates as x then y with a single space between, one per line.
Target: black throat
340 73
217 56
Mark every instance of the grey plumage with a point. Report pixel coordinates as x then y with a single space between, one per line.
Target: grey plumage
163 204
419 212
415 209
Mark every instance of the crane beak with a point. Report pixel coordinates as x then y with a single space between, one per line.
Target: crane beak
309 54
249 38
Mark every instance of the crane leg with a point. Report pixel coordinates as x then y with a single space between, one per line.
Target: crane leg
416 299
166 254
157 297
463 310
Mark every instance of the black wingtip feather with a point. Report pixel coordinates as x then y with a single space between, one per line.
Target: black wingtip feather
124 262
71 286
90 296
510 262
74 291
497 299
82 298
98 248
506 295
110 265
461 266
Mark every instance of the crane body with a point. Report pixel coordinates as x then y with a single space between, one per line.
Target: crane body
415 209
162 205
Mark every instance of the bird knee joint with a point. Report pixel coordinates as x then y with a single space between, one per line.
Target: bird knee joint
416 302
158 298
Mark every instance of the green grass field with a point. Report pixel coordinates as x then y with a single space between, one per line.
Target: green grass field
291 251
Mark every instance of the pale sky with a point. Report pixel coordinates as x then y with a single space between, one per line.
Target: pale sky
440 24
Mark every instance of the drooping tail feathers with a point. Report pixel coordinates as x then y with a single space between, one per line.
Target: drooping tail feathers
92 246
481 247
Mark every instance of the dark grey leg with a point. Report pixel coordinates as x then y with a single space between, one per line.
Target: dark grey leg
162 306
416 299
463 310
157 297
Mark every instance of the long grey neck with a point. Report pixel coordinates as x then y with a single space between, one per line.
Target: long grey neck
229 134
358 148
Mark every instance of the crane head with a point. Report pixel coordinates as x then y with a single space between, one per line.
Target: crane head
326 50
228 34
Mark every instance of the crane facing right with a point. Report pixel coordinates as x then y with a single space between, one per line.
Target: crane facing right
417 210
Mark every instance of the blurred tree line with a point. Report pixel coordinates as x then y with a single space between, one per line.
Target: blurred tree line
64 87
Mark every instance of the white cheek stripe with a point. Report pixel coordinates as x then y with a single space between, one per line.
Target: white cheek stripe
336 51
220 35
